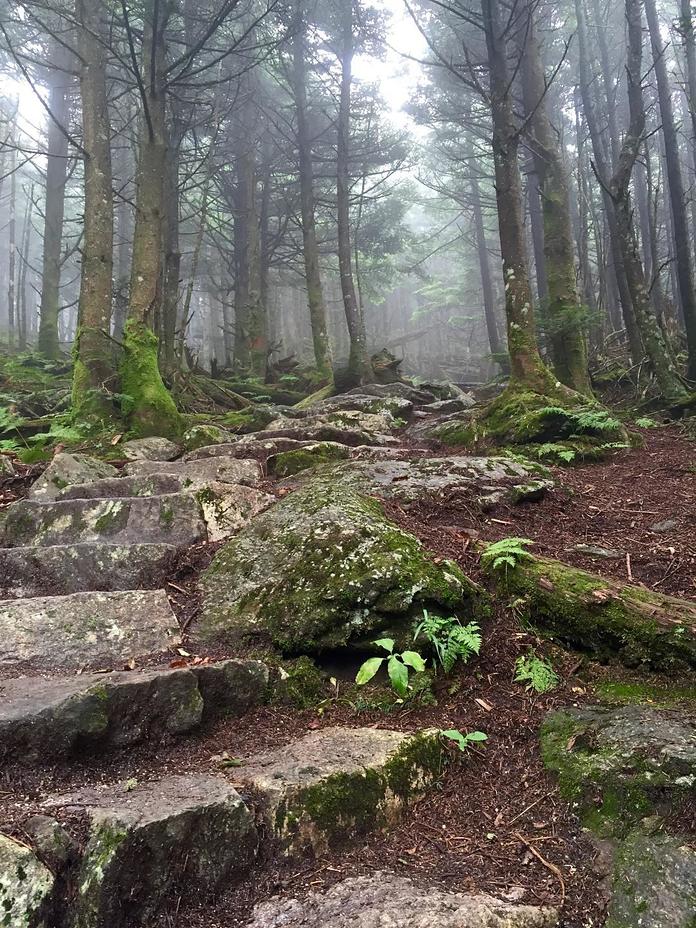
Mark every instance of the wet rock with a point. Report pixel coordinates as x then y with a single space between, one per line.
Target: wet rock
203 471
68 469
384 899
60 569
338 784
41 719
173 519
25 887
69 632
324 568
620 765
654 883
150 449
181 833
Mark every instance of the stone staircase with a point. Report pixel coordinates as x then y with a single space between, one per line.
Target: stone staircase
83 565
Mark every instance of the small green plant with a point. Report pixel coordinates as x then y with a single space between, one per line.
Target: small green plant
645 422
450 640
536 672
552 449
463 742
397 666
506 553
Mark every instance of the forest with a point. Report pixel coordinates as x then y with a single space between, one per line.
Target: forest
347 464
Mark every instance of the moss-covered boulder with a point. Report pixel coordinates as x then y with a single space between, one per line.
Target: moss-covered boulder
603 616
66 470
654 883
287 463
203 436
335 785
621 765
324 569
154 448
25 887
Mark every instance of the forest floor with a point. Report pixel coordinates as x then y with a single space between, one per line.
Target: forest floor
499 823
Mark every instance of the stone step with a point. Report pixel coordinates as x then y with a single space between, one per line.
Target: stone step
245 446
383 899
186 833
57 570
335 785
205 470
85 629
42 718
174 519
126 487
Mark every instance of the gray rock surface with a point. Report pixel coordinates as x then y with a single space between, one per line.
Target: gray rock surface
62 569
179 834
85 629
43 718
247 446
654 883
444 407
384 900
123 487
154 448
339 783
405 391
174 519
323 568
25 886
68 469
202 471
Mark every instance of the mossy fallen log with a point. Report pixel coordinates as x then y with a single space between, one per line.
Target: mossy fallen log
602 616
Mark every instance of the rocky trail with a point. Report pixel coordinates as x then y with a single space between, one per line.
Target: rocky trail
169 755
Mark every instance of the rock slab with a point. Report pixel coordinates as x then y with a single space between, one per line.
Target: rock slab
25 886
385 900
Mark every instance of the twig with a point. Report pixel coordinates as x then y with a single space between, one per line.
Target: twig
549 866
628 567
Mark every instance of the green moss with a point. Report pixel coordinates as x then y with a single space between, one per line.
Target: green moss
146 403
596 615
287 463
299 683
199 436
112 517
625 693
253 419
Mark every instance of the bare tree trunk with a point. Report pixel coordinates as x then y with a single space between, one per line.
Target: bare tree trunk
12 246
565 320
24 258
315 291
489 307
359 366
150 407
680 227
666 375
93 353
56 174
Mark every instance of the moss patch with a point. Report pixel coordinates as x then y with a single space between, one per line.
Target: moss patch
287 463
146 402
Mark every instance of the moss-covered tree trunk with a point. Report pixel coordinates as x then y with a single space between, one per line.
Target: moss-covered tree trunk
526 366
666 375
150 407
489 307
54 207
94 365
565 319
315 292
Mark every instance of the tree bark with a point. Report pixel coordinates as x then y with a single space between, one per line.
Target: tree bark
315 290
359 366
489 307
59 82
566 327
680 226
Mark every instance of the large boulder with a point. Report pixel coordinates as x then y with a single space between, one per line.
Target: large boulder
68 469
195 473
147 843
25 887
153 448
383 900
323 569
336 785
85 629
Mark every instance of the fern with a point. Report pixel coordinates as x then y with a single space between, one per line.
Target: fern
506 553
536 672
596 421
450 640
552 449
645 422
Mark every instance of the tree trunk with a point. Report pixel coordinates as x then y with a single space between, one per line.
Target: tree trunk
359 366
12 246
666 375
315 291
527 368
565 321
56 174
489 307
93 353
150 407
24 257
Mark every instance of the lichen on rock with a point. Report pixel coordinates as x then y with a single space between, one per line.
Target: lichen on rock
323 569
